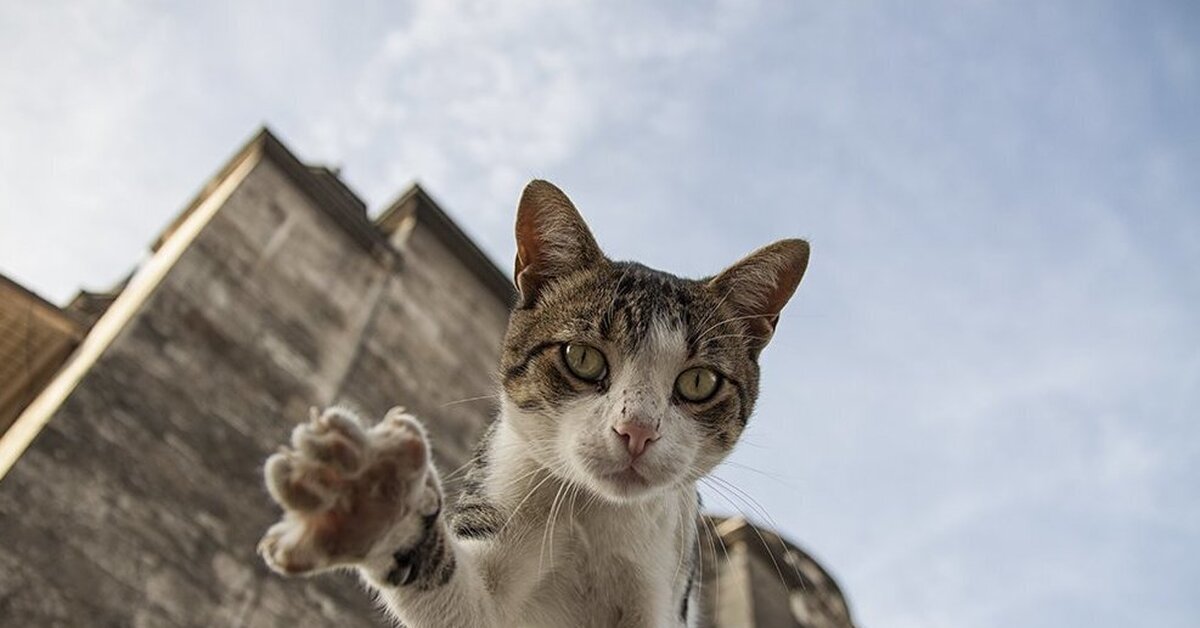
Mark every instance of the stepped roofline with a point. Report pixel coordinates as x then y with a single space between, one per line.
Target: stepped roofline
416 203
327 192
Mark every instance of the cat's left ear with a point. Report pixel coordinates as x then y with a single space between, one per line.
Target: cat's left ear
552 240
760 284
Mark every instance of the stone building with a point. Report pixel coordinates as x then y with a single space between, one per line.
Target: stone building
35 338
130 480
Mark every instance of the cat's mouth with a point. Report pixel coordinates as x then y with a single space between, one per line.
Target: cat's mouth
619 480
628 478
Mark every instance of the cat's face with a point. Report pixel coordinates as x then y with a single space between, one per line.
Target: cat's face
624 379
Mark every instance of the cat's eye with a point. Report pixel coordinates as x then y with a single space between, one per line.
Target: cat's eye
697 384
587 363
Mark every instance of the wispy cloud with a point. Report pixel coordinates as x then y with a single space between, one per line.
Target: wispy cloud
474 98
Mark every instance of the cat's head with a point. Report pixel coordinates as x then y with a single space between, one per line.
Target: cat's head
625 379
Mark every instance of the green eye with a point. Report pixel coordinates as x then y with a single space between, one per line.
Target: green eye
587 363
697 384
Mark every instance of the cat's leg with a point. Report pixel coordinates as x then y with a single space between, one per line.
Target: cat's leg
369 499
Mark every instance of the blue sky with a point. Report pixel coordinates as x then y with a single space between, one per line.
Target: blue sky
980 409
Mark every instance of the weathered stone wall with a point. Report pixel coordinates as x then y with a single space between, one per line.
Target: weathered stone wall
432 346
141 501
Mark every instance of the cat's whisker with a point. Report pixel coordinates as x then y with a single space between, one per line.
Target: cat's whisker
746 497
479 455
683 513
464 467
592 499
713 310
770 476
528 474
732 319
555 511
699 556
574 494
717 489
762 540
724 550
548 530
745 336
704 525
754 504
749 500
525 499
516 479
575 488
469 399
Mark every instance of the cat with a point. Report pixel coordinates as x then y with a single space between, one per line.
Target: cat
621 386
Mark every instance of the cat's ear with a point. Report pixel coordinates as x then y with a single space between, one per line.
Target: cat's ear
760 284
552 240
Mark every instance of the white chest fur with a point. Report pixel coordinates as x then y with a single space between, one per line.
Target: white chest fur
566 558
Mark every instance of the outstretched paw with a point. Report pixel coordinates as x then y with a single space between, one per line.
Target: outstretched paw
348 491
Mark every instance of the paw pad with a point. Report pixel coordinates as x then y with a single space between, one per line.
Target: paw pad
343 487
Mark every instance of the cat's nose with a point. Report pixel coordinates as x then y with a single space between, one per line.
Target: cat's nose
636 436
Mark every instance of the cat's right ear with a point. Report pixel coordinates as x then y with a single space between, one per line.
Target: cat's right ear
761 283
552 240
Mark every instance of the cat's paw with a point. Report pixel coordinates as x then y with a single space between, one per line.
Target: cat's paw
349 492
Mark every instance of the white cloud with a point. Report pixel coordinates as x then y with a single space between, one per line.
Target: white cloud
70 155
475 98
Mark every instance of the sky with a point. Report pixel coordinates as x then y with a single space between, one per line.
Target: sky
980 408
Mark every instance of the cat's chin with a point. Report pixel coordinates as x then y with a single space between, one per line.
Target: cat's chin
629 479
624 486
619 482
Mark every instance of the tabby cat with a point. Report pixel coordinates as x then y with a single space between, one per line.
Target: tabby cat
621 387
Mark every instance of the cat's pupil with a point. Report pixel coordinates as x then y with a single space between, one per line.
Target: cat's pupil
584 361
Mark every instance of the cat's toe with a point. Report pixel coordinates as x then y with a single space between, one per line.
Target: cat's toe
400 439
332 420
342 449
344 422
287 549
268 547
345 489
299 484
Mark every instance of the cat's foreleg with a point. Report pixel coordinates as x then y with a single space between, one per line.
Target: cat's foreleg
367 498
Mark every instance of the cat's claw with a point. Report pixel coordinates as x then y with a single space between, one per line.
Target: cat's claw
347 491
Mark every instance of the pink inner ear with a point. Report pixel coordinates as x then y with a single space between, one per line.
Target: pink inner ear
762 283
539 201
552 238
527 286
528 243
521 261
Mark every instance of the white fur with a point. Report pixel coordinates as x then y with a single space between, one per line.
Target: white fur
579 549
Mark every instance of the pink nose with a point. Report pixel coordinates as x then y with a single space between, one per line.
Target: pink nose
636 436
